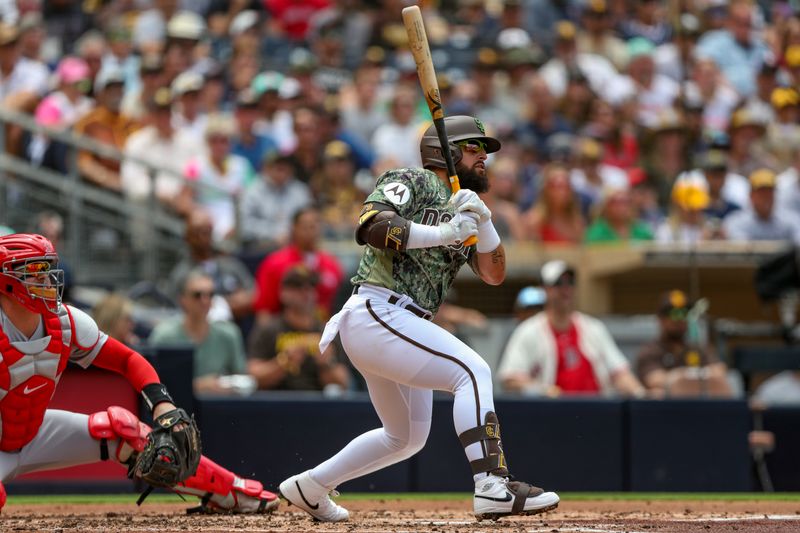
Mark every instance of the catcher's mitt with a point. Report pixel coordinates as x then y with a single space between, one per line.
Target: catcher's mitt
172 452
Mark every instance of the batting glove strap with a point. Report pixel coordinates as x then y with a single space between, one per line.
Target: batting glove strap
488 239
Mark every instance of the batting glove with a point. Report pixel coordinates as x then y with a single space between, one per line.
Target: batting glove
458 229
467 200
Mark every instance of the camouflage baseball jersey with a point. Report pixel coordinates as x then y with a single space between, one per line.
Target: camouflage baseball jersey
424 274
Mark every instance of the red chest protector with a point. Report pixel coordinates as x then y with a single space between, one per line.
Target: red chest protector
27 382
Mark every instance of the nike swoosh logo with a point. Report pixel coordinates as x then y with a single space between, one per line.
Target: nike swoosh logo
26 390
315 506
506 499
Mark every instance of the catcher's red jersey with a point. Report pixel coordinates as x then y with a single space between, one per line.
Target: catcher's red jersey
31 368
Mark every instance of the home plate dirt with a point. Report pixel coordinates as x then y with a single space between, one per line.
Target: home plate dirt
401 515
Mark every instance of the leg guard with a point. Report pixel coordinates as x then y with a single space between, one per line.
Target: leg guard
221 490
120 424
494 460
497 494
2 496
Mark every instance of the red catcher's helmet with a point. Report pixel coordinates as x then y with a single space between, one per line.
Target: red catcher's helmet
29 272
459 128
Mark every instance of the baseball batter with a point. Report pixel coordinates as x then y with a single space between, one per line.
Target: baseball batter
38 336
413 229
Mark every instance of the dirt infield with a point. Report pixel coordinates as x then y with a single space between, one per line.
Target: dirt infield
439 516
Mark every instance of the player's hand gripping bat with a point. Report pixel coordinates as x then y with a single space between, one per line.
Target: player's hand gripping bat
418 42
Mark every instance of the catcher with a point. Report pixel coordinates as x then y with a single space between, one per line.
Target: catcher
38 336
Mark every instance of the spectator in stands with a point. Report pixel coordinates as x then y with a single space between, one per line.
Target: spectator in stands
274 120
114 314
233 283
542 118
674 58
303 248
136 101
783 135
361 105
105 124
218 345
665 154
598 37
566 58
620 144
22 81
186 105
338 198
556 216
283 353
737 49
217 177
746 131
249 143
69 102
562 351
710 92
589 176
307 153
502 198
654 93
91 47
648 22
782 389
727 192
32 35
270 202
787 188
644 199
687 223
50 225
616 220
167 150
676 363
762 221
396 142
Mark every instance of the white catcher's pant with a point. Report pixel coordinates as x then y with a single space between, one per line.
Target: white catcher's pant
403 358
63 440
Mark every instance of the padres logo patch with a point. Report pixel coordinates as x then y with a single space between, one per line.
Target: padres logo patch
397 193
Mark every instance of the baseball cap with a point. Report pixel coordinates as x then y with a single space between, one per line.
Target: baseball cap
243 21
552 271
299 276
792 56
691 193
8 34
246 98
713 160
784 97
108 76
186 25
747 116
336 150
162 99
762 178
72 69
269 81
674 300
186 82
565 30
530 297
151 63
220 124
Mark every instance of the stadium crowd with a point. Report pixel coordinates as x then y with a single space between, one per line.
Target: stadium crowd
621 120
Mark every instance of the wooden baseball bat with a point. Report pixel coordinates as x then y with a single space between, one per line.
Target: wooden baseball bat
418 42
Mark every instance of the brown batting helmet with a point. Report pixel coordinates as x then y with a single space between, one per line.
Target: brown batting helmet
459 128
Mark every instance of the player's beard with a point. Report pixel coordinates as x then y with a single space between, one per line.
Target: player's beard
472 179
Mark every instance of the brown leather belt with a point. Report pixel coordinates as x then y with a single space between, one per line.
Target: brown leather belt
393 299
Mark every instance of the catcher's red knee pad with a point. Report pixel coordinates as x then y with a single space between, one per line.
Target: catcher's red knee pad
118 422
2 496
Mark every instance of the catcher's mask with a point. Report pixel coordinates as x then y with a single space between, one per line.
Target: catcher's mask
29 272
459 128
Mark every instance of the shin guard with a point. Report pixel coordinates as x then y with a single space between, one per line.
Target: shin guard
220 490
494 460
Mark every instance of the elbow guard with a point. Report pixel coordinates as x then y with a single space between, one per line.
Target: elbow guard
384 230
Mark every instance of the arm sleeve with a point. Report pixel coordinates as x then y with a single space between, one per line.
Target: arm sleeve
118 358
